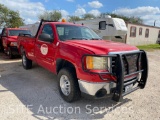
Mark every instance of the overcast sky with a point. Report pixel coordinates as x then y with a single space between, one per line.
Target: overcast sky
148 10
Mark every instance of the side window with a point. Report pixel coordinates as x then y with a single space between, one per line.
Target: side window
140 31
133 31
47 34
48 30
147 33
159 34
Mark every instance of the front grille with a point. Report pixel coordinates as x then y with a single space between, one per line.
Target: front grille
125 67
130 63
113 65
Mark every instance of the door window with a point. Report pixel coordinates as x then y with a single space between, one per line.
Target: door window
48 32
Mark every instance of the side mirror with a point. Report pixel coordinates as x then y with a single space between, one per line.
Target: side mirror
45 37
102 25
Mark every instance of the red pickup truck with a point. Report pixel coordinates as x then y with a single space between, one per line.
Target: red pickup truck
85 64
9 40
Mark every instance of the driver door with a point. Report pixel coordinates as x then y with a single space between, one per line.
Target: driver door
45 49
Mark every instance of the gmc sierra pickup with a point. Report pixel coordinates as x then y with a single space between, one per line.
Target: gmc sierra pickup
85 64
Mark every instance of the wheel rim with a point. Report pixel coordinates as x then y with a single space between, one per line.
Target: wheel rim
24 60
65 85
8 52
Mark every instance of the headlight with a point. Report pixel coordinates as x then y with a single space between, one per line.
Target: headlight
13 44
96 63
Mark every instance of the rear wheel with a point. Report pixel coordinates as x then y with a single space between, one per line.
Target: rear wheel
27 63
68 85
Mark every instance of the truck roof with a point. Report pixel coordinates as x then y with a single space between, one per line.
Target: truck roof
63 23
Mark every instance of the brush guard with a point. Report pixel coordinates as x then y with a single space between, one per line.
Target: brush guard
121 72
119 90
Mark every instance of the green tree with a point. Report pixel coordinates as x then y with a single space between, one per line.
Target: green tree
84 17
3 14
14 19
74 18
88 16
9 18
53 15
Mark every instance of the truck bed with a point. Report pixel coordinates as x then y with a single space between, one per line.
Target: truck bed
25 41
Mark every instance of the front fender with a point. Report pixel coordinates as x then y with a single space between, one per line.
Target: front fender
73 54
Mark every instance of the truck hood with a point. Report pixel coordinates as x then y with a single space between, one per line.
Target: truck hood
12 38
101 46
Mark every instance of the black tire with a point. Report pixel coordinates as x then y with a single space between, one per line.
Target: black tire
1 48
75 93
21 51
27 63
10 53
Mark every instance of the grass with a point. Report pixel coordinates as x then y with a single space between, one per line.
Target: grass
149 47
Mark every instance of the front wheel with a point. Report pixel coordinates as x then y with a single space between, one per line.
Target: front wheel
68 85
27 63
10 53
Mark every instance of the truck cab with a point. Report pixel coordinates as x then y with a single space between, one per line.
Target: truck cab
9 40
85 64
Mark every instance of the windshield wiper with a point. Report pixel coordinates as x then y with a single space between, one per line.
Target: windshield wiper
79 38
96 38
86 38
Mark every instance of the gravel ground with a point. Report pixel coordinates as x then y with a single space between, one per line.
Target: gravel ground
33 94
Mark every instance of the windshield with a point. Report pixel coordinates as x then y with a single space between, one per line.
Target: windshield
16 32
71 32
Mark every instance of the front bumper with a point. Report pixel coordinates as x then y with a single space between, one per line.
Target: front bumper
14 50
96 88
122 70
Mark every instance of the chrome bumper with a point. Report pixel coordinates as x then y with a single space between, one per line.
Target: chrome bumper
91 88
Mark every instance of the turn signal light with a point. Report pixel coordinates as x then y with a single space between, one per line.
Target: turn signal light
89 62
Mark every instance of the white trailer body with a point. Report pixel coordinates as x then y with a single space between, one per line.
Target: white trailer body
114 27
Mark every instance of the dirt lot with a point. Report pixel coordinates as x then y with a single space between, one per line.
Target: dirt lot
33 94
